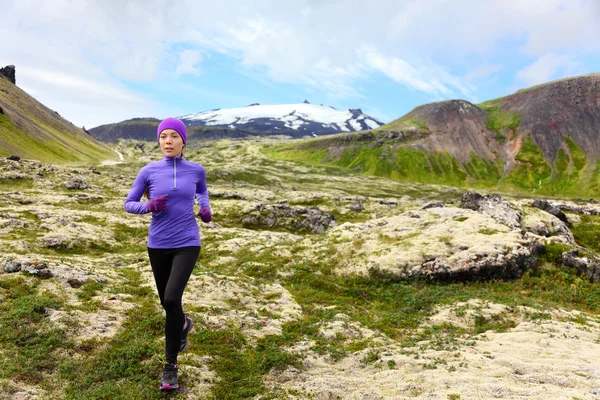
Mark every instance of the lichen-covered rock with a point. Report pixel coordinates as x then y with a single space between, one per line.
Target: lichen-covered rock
550 209
584 265
493 206
299 219
11 266
547 225
57 241
445 244
39 270
76 183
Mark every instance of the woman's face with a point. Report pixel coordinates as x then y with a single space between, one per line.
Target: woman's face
171 143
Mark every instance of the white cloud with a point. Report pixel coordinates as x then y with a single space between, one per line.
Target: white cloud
548 67
332 46
189 61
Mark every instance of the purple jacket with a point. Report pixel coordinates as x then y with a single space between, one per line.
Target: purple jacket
182 180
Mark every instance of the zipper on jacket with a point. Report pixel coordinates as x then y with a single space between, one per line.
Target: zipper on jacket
175 173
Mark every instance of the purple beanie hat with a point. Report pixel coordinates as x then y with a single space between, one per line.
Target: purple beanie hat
175 124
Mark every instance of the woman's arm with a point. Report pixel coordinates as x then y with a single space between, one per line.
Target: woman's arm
132 202
202 189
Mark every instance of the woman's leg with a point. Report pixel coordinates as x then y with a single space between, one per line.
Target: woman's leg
184 260
161 261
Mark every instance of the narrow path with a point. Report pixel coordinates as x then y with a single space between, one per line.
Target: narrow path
113 162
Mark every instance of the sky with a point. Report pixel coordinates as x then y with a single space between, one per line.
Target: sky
105 61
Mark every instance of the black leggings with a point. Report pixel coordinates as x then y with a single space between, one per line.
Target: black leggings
172 269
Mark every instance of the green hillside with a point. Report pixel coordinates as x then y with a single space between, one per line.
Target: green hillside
572 173
32 131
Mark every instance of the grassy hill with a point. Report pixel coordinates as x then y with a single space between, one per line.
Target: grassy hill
32 131
542 140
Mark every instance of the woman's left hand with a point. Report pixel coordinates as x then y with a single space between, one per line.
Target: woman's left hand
205 214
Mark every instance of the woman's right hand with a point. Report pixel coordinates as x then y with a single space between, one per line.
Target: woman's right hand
157 204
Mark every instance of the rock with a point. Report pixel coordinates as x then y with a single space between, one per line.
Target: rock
39 270
14 158
493 206
588 209
583 265
57 241
76 183
550 209
11 266
433 204
75 282
482 267
356 206
294 218
10 73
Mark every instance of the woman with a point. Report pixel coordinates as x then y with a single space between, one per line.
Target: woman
173 239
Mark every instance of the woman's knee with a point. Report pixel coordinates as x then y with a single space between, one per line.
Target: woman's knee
172 303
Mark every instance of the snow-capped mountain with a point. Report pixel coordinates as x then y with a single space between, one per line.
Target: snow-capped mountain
303 118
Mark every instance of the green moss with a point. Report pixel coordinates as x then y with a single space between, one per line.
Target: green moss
488 231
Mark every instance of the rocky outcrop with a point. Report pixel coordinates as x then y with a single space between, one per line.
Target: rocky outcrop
76 183
550 209
297 219
10 73
33 268
493 206
438 244
587 266
511 265
587 209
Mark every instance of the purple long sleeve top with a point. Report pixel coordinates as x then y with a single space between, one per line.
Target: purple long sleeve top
183 181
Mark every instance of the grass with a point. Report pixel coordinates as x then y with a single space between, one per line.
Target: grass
127 365
403 124
42 134
587 232
34 346
501 121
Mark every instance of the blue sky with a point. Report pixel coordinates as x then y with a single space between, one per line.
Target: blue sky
98 62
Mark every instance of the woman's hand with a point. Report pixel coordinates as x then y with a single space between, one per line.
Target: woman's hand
205 214
159 203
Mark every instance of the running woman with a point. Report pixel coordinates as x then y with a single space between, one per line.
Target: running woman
171 185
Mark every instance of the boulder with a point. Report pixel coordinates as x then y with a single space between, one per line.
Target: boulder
11 266
300 219
550 209
433 204
584 265
39 270
493 206
57 241
10 73
76 183
356 206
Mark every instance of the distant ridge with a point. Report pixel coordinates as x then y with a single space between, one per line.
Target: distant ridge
295 120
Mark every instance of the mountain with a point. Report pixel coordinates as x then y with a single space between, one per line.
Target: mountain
294 120
542 139
31 130
304 117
